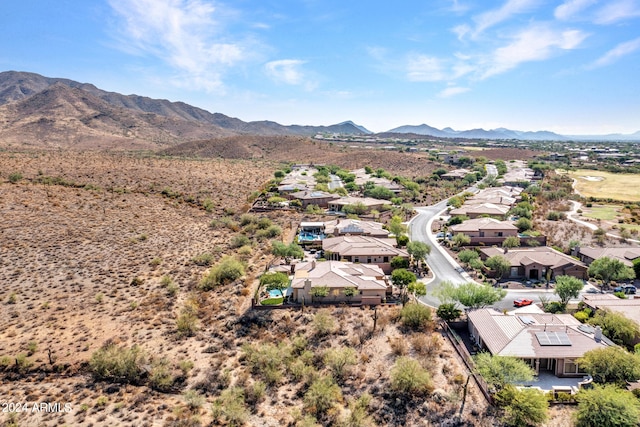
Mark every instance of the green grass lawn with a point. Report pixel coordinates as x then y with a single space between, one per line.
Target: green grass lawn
606 185
602 212
272 301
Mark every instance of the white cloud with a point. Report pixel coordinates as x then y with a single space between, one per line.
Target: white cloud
619 10
493 17
185 34
289 71
452 91
536 43
570 8
617 52
423 68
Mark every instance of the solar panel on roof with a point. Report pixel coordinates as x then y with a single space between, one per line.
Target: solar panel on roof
586 329
527 320
552 338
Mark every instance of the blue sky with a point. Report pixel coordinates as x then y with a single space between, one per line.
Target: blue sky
569 66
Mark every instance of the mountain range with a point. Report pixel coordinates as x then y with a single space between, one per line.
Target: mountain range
43 111
502 133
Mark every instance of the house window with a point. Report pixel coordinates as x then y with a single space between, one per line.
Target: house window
571 367
499 233
368 260
356 259
385 259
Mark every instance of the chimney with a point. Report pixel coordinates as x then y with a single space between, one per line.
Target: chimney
598 334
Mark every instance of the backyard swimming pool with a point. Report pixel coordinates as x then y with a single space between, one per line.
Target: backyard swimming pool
309 237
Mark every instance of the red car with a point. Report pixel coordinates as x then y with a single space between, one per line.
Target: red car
521 302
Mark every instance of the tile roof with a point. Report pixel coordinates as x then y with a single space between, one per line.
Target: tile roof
362 246
515 335
338 274
478 224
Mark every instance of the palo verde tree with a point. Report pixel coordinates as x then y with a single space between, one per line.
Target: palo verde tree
403 279
470 294
499 264
498 371
608 269
287 252
418 251
567 287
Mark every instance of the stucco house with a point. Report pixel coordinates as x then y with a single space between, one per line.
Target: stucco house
488 231
537 263
624 254
367 282
319 198
547 342
481 209
364 250
354 227
338 204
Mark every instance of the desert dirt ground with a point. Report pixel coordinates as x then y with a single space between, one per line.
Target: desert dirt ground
86 240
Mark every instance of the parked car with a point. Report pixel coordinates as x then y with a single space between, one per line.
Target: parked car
521 302
627 289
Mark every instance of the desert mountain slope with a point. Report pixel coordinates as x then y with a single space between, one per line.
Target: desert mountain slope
62 116
135 121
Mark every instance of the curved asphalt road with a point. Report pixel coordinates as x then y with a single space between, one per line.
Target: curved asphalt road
445 268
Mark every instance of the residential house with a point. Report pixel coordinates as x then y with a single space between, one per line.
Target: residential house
547 342
518 176
627 255
537 263
363 249
628 307
354 227
319 198
368 281
338 204
486 231
481 209
362 177
455 174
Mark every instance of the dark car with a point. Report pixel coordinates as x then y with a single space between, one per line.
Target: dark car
627 289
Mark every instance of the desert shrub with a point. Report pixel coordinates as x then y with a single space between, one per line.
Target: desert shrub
409 378
340 360
426 345
416 316
117 364
399 346
255 393
528 407
15 177
187 323
322 395
160 377
448 312
193 399
23 363
240 241
204 260
226 271
607 406
323 323
230 407
268 360
554 307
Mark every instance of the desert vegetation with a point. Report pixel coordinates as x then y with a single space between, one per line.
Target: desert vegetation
126 285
